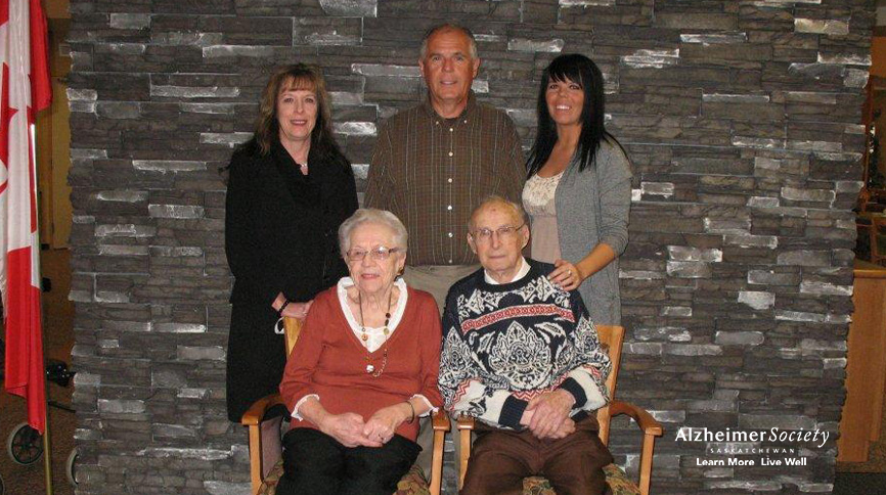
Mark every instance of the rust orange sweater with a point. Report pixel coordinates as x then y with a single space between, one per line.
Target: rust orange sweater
329 360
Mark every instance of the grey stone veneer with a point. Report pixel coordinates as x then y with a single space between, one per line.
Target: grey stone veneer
743 120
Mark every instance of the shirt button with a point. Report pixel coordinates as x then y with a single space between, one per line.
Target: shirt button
449 207
449 180
450 234
450 153
451 129
450 262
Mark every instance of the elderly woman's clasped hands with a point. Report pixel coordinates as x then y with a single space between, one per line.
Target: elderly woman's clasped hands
351 430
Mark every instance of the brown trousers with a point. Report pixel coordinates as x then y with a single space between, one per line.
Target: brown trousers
437 279
502 458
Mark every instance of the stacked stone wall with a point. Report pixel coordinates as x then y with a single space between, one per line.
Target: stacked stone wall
742 119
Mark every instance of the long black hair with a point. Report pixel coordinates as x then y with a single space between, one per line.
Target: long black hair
584 72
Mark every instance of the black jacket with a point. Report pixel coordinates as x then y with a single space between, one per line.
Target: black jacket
281 228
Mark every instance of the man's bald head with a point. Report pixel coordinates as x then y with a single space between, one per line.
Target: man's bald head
519 216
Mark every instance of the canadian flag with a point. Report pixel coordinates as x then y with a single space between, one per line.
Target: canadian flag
25 90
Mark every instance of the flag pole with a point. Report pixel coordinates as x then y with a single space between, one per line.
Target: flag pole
47 450
47 444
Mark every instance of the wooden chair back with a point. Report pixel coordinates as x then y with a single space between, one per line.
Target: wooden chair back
878 228
291 331
611 338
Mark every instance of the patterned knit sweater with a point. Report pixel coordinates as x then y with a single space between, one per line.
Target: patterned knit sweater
505 344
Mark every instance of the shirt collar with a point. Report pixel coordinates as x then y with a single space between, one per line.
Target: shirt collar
466 114
524 269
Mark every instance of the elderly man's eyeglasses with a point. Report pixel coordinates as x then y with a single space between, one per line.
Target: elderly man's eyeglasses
506 232
380 253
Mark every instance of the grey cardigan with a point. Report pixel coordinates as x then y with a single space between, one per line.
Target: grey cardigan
592 207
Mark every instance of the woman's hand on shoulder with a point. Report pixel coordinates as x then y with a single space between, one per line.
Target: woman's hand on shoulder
347 429
382 425
291 309
298 310
566 275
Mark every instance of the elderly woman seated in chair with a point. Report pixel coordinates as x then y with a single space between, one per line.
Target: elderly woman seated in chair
522 356
364 368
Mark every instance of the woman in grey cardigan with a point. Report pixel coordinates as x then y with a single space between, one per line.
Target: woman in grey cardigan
579 189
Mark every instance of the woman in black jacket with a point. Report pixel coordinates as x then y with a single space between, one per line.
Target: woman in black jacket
289 189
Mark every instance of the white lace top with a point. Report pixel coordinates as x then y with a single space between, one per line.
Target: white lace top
539 201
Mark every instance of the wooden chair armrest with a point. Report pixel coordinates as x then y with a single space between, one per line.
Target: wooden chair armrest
645 420
256 412
252 419
651 429
441 421
466 423
465 428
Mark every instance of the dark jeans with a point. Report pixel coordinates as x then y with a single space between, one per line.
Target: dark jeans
317 464
502 458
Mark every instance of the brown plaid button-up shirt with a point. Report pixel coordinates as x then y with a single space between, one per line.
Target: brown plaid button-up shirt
431 172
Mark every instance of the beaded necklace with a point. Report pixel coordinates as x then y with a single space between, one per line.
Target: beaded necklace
370 368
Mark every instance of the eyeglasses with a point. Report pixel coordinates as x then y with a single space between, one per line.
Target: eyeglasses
380 253
504 233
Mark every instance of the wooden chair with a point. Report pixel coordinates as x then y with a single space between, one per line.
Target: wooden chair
872 235
878 239
611 337
252 419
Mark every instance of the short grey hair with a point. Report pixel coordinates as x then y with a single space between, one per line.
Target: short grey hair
517 208
374 216
449 27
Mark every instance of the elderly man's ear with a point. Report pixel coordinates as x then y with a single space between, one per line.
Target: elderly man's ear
524 232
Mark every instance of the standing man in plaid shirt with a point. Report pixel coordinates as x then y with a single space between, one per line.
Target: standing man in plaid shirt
434 162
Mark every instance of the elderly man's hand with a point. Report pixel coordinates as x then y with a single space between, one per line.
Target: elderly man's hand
567 427
347 428
382 425
548 413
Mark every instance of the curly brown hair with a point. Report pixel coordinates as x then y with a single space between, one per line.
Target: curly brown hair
298 76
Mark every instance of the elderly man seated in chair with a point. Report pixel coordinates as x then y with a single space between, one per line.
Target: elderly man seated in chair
521 355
